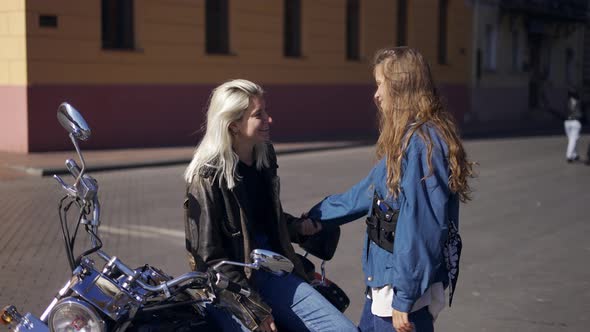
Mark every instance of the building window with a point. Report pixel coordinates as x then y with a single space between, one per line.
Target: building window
570 70
442 31
352 29
117 24
515 51
546 55
48 21
292 31
216 27
402 22
490 40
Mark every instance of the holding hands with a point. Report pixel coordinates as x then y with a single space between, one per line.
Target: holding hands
267 325
401 322
307 226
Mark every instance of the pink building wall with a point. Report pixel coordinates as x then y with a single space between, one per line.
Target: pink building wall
152 115
13 119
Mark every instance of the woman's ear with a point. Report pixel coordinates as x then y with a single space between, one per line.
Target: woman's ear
233 128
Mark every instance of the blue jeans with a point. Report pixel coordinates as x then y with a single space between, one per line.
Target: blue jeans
422 320
296 306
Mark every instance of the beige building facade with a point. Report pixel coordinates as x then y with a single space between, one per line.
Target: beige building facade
141 71
149 84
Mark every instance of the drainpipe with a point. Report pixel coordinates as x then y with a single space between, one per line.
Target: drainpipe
472 115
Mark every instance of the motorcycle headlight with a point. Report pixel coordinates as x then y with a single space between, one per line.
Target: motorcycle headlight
71 315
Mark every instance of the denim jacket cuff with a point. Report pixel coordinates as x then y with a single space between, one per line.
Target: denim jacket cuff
402 305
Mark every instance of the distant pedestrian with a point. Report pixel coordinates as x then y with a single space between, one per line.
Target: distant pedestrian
573 125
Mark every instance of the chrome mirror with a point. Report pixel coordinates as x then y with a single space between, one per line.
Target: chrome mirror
271 261
73 121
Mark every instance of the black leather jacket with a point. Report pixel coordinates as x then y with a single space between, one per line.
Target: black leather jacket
215 227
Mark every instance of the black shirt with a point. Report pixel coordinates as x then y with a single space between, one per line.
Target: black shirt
258 205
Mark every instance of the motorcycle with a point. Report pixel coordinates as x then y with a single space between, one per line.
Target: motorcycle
113 296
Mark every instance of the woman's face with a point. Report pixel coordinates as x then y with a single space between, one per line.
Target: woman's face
381 93
254 126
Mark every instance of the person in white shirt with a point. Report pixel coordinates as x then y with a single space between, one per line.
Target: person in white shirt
573 125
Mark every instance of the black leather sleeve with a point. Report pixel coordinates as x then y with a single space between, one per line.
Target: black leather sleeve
293 227
202 225
208 244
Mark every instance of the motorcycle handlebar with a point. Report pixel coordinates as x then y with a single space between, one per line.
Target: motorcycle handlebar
223 282
217 279
73 167
236 288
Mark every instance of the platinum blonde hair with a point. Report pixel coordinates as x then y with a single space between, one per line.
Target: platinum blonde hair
227 104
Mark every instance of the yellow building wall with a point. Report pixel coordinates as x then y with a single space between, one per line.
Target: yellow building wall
423 35
170 39
13 51
378 28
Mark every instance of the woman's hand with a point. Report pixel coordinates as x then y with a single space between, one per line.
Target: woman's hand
267 325
400 321
308 227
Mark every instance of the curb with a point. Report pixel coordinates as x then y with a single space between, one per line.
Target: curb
49 171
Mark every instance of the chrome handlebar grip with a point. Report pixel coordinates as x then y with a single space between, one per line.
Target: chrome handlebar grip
134 275
73 168
174 282
163 287
69 189
223 282
96 214
85 186
251 265
116 262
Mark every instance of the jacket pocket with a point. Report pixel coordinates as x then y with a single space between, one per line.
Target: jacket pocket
249 311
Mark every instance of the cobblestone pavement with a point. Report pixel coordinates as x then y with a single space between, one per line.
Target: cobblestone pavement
526 248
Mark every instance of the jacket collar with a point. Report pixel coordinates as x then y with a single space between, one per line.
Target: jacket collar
208 171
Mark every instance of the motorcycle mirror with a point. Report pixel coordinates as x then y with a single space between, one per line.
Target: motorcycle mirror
271 261
73 121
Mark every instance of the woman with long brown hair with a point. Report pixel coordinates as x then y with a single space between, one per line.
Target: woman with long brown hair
411 199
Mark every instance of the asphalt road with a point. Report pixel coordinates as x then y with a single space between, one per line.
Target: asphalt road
525 257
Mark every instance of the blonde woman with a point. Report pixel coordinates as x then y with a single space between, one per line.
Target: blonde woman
233 206
411 198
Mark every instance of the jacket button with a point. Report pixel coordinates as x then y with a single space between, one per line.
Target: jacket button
370 278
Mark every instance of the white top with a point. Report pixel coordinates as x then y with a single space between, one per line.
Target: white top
382 297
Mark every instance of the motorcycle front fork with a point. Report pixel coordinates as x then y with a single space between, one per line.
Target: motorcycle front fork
59 295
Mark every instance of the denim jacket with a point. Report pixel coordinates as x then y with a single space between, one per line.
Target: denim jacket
426 207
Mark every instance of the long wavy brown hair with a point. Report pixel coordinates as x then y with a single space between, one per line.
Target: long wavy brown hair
412 101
